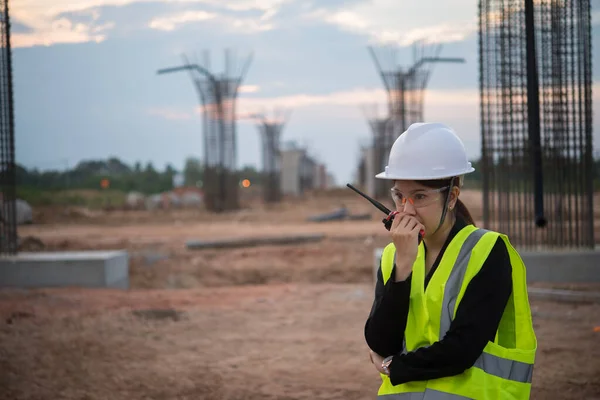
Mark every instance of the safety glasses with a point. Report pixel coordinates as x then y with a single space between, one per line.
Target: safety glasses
421 198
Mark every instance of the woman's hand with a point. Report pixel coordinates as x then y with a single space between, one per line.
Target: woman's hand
377 360
405 235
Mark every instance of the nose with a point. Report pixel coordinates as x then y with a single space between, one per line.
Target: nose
409 207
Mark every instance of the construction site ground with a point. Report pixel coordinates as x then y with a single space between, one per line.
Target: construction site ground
266 322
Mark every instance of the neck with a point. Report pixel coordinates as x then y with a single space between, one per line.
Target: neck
437 240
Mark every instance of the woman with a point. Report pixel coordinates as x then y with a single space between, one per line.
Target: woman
451 316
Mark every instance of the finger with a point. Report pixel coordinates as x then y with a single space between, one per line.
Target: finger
413 223
396 221
406 221
417 229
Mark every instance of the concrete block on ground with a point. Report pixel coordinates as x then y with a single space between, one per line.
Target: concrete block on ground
93 269
569 266
575 266
253 241
564 295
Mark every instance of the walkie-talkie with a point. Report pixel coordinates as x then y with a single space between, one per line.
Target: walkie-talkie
389 218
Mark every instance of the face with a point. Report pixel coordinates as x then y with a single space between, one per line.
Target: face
425 203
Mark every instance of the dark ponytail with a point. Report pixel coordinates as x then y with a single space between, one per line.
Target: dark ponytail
463 212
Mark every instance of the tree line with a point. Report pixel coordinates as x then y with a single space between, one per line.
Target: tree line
148 180
143 178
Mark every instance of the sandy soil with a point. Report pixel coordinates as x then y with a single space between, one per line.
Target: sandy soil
268 322
294 341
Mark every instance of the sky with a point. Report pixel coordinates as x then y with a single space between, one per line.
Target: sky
86 83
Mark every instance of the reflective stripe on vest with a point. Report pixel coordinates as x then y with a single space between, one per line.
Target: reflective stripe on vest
455 281
428 394
504 368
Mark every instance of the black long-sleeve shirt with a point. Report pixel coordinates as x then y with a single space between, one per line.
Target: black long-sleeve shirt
476 321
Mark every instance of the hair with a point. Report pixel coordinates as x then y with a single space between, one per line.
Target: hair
461 209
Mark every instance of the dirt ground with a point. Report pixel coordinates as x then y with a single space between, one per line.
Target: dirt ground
268 322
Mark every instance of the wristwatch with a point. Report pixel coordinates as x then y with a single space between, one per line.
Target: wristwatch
385 365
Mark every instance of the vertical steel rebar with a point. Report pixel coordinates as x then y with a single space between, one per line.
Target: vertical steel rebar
536 120
270 131
8 211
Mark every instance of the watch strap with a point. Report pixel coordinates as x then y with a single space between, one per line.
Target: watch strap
385 364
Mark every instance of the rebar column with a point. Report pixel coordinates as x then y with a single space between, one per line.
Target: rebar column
270 131
220 173
536 121
8 220
218 96
406 86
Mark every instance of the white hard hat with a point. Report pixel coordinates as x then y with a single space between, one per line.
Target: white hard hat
427 151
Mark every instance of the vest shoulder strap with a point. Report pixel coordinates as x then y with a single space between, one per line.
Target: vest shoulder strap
387 261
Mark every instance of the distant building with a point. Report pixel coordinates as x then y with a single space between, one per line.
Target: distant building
320 176
290 171
299 171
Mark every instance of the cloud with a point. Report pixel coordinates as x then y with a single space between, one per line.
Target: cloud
345 98
248 25
50 24
169 23
47 28
403 22
240 24
62 30
353 99
238 5
250 106
248 89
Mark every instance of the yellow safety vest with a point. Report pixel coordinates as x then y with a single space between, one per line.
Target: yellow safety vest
505 368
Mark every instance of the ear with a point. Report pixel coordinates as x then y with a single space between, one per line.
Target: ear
454 193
